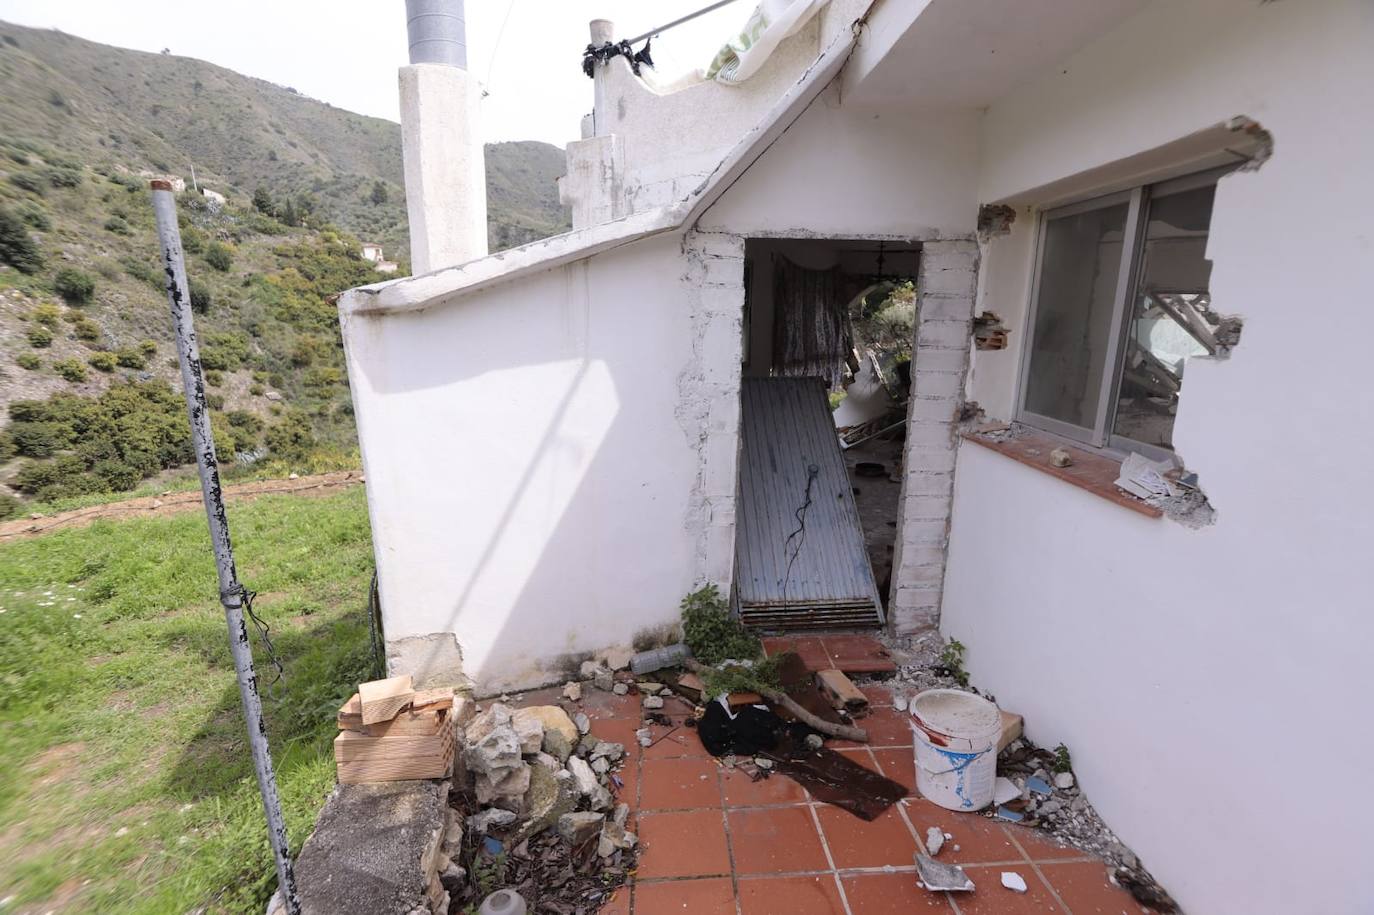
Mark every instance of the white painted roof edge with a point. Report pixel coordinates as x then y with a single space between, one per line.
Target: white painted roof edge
442 287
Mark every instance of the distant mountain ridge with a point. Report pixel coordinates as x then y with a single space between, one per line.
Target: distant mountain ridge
167 113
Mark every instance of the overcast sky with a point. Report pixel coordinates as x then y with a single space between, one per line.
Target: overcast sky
346 51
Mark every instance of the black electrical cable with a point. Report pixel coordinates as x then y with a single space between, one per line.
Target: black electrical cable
812 472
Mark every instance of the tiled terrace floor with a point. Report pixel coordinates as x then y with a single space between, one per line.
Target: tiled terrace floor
714 842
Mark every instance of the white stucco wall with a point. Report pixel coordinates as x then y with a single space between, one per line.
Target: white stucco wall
529 470
1212 684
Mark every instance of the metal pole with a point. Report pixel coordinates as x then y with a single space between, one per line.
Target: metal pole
230 591
676 22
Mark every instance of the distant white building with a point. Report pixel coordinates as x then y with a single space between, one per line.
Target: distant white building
372 252
214 197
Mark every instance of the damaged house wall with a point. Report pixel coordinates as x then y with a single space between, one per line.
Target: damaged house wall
1190 671
530 466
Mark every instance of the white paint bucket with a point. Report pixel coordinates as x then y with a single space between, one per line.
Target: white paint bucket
956 748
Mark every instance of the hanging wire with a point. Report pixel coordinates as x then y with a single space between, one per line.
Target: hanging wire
496 48
246 596
812 472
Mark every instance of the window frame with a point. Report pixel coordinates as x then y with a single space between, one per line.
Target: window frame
1137 198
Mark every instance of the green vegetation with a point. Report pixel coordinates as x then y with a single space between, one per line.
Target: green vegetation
70 369
1063 762
128 784
219 256
39 337
17 247
28 361
102 362
952 661
75 286
711 632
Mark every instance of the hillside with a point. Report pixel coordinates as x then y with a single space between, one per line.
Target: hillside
113 106
88 374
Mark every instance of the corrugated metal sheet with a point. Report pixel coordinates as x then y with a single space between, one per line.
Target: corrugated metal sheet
787 430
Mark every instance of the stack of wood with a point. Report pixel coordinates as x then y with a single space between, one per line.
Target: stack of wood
390 732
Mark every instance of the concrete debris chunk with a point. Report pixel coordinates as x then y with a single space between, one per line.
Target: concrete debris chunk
584 724
1014 881
621 815
620 689
579 827
588 669
603 680
572 691
530 731
608 750
942 878
618 658
495 754
653 702
496 716
495 818
600 765
649 688
559 734
583 776
644 736
1063 780
507 790
1004 790
935 840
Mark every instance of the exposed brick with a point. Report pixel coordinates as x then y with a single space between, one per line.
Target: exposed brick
931 432
942 409
949 282
938 384
943 360
947 308
716 244
929 484
926 508
931 460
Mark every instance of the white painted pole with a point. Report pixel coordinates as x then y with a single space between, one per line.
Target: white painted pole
231 593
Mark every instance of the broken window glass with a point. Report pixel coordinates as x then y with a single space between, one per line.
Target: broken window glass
1171 319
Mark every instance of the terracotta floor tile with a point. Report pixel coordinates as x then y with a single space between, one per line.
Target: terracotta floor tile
858 654
549 695
878 696
599 704
678 784
856 843
790 896
980 840
1085 889
900 766
891 894
775 840
886 727
992 898
669 743
742 791
809 648
627 792
713 896
1041 847
686 844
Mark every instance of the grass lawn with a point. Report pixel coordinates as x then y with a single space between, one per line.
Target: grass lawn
127 784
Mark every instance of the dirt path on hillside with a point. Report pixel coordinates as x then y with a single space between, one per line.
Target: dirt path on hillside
172 503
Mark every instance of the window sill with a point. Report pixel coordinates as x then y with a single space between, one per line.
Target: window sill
1089 471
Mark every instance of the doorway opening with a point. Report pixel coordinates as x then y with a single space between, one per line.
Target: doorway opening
828 331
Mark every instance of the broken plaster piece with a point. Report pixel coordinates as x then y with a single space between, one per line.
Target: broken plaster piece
1005 790
1039 786
935 840
1013 881
942 878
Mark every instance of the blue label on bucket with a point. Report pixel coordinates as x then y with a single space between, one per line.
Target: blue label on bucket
959 763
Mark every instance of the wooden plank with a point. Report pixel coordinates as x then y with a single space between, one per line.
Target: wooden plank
410 723
382 699
1012 725
426 697
350 745
840 689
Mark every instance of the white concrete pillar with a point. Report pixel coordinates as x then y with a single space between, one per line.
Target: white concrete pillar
446 175
593 186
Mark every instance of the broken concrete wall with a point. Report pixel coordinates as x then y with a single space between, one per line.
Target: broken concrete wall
1168 659
531 476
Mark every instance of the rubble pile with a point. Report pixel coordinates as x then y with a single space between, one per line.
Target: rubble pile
540 809
1040 790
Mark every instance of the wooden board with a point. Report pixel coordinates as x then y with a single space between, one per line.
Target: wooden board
840 690
350 745
409 723
395 770
424 698
382 699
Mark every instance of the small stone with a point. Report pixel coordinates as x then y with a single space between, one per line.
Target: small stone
608 750
495 818
899 703
157 503
644 736
587 745
935 840
572 691
815 741
1060 457
559 733
530 730
121 831
1013 881
621 815
580 826
293 476
762 763
600 799
729 762
603 680
601 765
547 761
653 702
1063 780
650 688
620 689
584 724
583 776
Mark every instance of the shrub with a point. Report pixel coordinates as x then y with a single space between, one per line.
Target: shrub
29 361
39 337
148 348
34 439
710 631
291 439
200 298
255 389
214 377
223 350
262 201
76 287
9 506
219 256
102 362
35 216
62 176
46 314
118 226
28 181
130 358
116 475
17 247
193 240
142 270
86 329
215 401
70 369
